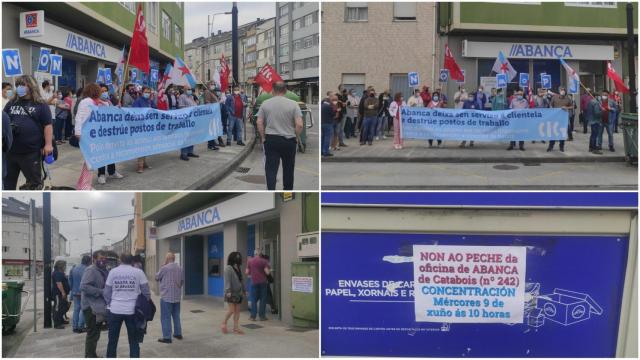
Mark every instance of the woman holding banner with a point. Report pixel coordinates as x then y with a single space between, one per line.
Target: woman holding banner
394 111
434 103
111 168
144 101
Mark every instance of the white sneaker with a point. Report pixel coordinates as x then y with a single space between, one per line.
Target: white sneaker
377 138
102 179
117 175
384 137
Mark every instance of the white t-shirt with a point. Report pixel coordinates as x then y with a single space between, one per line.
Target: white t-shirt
47 95
125 281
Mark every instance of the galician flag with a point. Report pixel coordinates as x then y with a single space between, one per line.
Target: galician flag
180 75
503 66
575 78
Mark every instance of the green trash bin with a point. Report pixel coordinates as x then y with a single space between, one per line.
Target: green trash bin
11 304
629 124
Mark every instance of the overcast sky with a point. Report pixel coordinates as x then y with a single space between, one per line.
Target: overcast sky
195 16
103 204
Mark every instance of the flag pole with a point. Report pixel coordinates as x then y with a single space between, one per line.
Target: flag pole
124 76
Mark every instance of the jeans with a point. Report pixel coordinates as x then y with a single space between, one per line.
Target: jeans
327 134
368 128
610 127
187 150
115 323
613 116
235 129
338 129
595 133
78 316
278 148
380 125
111 169
170 311
58 127
93 334
259 294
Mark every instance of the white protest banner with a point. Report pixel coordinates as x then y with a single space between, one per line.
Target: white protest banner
469 284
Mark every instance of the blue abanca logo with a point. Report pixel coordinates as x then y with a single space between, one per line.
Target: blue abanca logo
548 51
205 217
85 45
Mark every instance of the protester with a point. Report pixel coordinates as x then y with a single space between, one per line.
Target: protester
470 102
172 99
92 96
75 277
572 117
69 99
443 97
279 125
129 95
121 291
209 97
460 97
415 100
352 114
186 100
383 115
585 99
394 111
257 269
143 101
338 133
425 95
235 106
235 292
519 102
7 141
171 279
499 101
62 110
435 103
562 101
92 301
7 93
609 109
371 106
32 130
111 168
365 95
617 98
49 95
60 291
224 116
327 117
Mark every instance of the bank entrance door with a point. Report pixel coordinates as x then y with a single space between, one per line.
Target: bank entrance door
193 265
271 248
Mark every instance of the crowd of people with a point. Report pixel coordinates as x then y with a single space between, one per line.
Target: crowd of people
106 293
374 116
38 118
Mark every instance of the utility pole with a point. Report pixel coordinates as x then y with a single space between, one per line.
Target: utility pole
91 231
46 256
234 41
34 262
631 52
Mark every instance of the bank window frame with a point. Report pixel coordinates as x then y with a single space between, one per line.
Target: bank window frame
361 13
593 4
166 26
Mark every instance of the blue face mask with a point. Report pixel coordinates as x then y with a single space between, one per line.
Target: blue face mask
519 97
9 93
104 96
146 95
189 92
21 90
435 98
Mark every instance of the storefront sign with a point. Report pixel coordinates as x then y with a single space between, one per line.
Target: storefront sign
302 284
32 23
501 125
234 208
567 293
482 49
62 38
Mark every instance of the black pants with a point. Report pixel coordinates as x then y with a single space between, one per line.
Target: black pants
584 123
111 168
552 143
59 309
93 334
30 166
520 144
68 127
572 120
275 149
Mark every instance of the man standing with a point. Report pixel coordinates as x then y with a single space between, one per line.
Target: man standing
519 102
258 268
74 281
129 96
563 102
327 116
60 292
121 291
235 106
211 98
171 279
609 109
279 125
371 106
585 98
186 100
92 301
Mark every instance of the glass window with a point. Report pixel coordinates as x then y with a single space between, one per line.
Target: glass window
404 11
297 45
308 42
298 65
284 9
284 49
129 5
356 12
152 16
166 26
251 41
297 24
217 49
284 68
177 36
284 30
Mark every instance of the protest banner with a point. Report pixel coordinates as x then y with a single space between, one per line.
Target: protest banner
502 125
43 62
112 134
469 284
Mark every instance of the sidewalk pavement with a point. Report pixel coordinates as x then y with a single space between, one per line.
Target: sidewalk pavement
482 152
201 317
167 171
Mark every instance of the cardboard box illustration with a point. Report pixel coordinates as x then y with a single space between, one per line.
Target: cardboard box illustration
567 307
535 318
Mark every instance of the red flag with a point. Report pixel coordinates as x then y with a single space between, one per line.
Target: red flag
139 50
532 103
611 73
450 63
267 76
224 74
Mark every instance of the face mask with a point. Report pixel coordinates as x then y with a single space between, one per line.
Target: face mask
480 90
520 97
9 93
60 96
101 263
146 95
604 97
237 92
189 92
21 90
563 93
334 102
104 96
212 88
435 98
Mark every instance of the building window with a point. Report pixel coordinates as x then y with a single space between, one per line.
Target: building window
227 47
152 16
217 49
355 11
284 30
298 5
177 36
25 236
26 250
251 41
166 26
284 9
297 24
284 68
404 11
250 57
129 5
284 49
599 4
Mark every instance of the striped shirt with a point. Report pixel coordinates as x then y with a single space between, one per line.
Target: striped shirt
171 279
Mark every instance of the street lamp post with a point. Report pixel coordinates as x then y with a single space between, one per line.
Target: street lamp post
210 19
631 53
91 234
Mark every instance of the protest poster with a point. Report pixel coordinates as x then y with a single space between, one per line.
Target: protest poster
464 124
43 62
469 284
112 134
11 62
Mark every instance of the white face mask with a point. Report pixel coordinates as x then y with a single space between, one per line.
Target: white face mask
605 97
